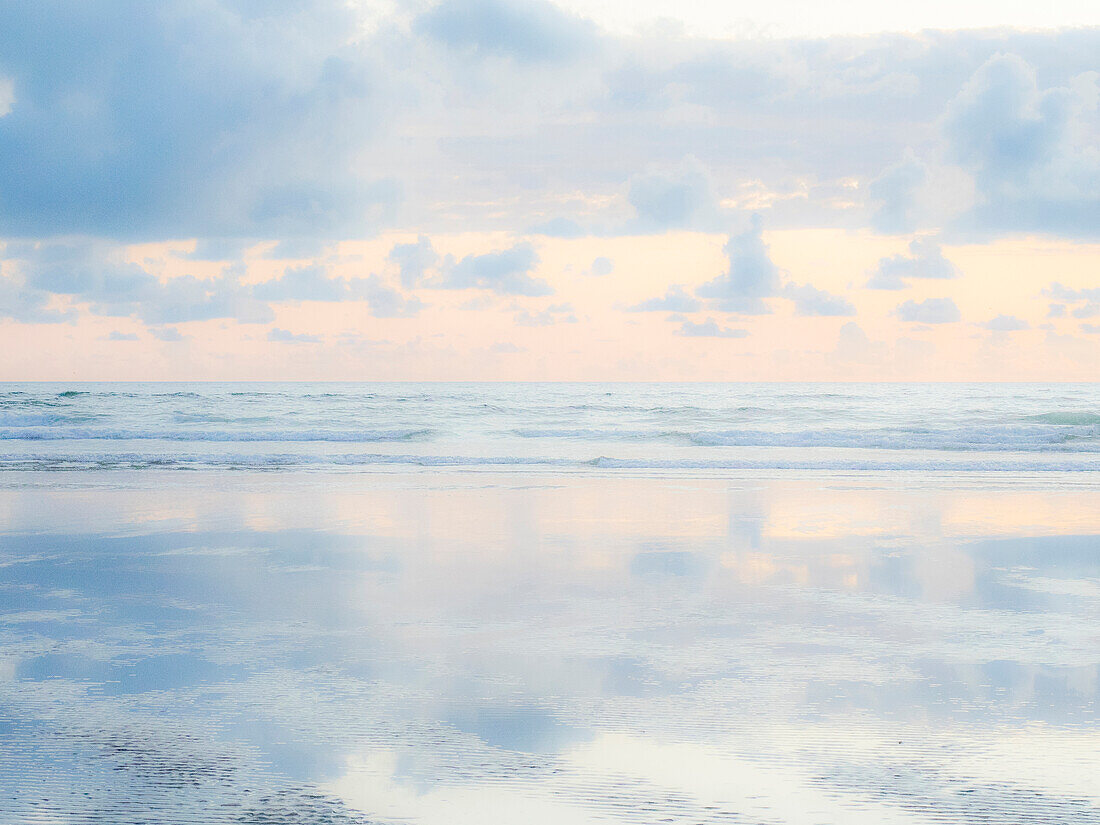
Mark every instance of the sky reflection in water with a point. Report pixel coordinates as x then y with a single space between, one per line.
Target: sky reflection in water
456 648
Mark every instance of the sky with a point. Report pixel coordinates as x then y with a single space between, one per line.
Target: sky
579 190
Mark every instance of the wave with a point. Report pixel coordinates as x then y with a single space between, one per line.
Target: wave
1066 419
10 419
139 461
1028 439
31 433
997 439
993 438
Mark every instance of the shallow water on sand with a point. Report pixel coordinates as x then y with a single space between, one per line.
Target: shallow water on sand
460 647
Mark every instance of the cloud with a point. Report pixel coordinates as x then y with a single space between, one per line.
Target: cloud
7 95
602 266
1001 125
122 336
1006 323
530 31
751 275
97 274
672 198
506 272
929 311
925 260
1091 329
675 300
414 260
554 314
29 305
1063 293
302 283
218 249
220 119
1087 301
312 283
853 345
170 334
809 300
1089 309
708 329
895 195
1032 151
283 336
558 228
384 300
181 119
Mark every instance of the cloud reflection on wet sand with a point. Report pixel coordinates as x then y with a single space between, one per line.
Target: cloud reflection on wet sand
482 648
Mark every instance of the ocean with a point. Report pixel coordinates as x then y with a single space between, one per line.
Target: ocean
549 603
558 427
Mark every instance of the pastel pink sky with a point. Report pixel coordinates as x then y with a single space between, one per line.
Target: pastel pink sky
536 190
586 331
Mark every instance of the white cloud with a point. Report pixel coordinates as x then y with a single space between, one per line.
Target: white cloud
750 278
284 336
928 311
809 300
676 299
925 260
7 95
708 329
1006 323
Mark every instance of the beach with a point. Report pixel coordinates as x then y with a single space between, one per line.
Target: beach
550 641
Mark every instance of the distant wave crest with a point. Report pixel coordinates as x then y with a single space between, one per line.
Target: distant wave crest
35 433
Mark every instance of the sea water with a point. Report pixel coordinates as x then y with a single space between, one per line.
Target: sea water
457 603
965 427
